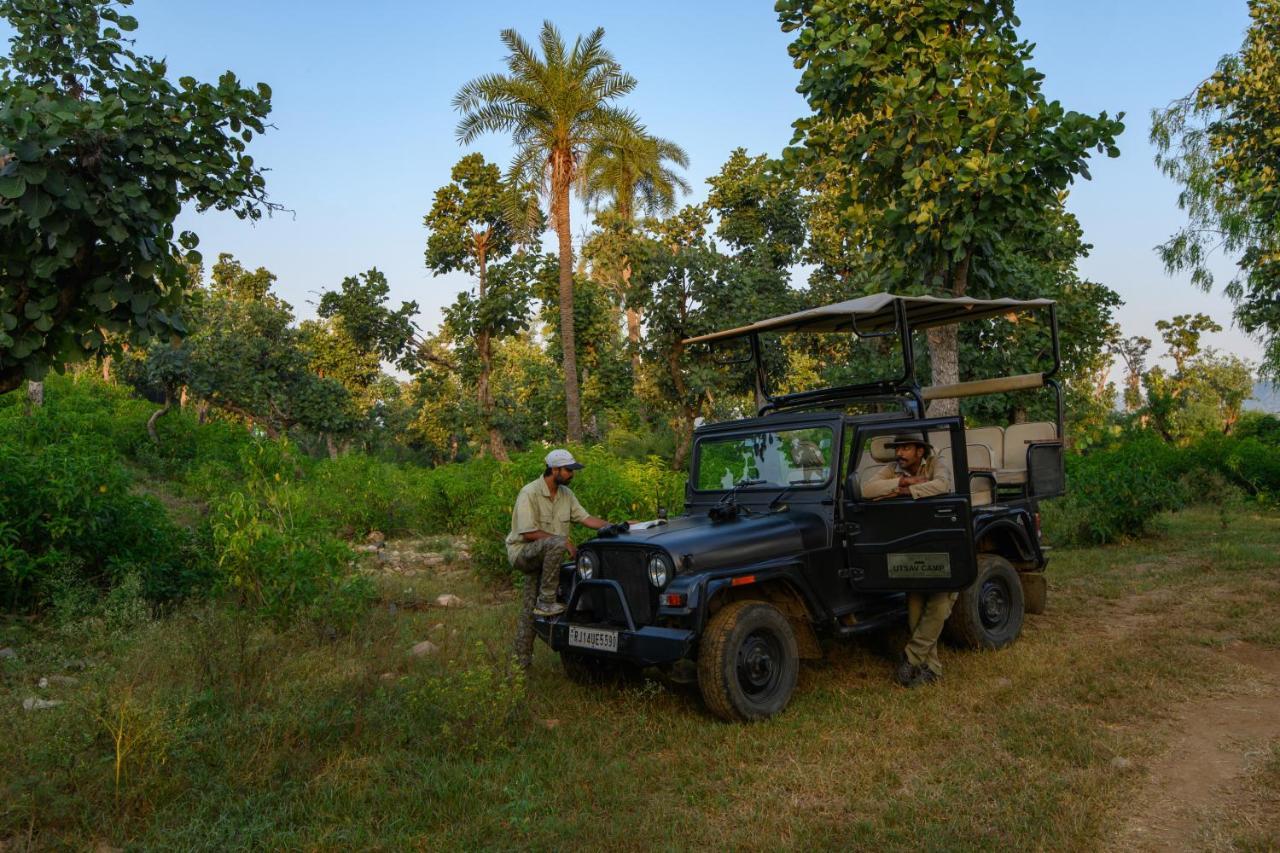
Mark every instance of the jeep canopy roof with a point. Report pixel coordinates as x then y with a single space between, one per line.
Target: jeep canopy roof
878 313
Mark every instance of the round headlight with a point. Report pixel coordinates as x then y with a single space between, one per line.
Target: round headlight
586 565
659 570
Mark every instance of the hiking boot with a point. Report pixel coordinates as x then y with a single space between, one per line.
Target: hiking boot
923 676
548 611
905 672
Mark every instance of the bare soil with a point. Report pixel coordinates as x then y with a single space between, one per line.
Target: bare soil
1216 743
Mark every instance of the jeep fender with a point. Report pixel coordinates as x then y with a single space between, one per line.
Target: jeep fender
1011 537
775 584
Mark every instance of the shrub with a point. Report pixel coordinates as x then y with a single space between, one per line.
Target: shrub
276 556
1116 492
66 511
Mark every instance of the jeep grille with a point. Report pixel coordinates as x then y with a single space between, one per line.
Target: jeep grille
627 567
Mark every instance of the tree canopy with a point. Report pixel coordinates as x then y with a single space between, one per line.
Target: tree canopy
1220 143
930 127
99 152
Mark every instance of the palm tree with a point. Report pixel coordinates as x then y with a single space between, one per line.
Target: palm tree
629 170
557 107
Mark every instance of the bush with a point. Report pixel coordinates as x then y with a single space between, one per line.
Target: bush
1116 492
66 512
277 556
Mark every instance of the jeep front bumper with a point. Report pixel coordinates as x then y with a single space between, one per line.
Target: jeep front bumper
645 645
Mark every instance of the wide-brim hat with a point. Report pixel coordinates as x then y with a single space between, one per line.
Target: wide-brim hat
561 458
910 438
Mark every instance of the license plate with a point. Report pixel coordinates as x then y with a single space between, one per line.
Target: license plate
593 638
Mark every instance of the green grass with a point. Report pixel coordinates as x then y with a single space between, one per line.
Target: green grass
248 735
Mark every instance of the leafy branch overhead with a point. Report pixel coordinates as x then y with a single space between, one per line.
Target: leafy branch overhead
1220 143
100 153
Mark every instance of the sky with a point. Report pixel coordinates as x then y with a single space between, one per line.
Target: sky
364 128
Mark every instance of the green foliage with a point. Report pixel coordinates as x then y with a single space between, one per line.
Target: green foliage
247 358
100 152
68 515
274 554
470 710
935 127
374 328
1220 144
1115 492
629 168
1205 392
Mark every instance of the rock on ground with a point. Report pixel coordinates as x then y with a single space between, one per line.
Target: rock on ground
34 704
426 647
449 600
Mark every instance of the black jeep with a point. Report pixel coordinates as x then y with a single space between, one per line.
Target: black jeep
777 549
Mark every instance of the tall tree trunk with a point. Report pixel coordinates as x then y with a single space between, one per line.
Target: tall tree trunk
633 324
35 394
496 446
944 345
106 368
560 189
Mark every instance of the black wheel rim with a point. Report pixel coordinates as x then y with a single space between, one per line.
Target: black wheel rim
759 664
994 604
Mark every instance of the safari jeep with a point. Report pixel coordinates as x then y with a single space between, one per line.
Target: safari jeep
777 550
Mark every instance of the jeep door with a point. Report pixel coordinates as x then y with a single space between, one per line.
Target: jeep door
906 543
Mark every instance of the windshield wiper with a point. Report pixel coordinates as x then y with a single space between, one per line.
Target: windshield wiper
778 497
727 506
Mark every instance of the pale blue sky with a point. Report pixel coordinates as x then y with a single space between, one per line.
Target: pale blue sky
365 131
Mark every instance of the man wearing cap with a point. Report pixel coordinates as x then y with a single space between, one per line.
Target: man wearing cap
917 473
541 520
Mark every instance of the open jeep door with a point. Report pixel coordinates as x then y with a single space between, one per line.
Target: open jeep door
907 544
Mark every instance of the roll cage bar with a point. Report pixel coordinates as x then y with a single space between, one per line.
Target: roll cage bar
883 315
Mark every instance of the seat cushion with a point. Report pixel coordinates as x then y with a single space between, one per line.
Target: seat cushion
1011 476
991 436
1018 436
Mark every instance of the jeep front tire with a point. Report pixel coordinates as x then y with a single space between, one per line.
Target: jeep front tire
748 661
988 615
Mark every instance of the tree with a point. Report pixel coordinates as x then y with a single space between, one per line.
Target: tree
1220 143
247 359
932 129
630 171
557 107
470 227
1206 390
99 151
1133 352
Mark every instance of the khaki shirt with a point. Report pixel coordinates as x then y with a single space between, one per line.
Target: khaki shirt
885 481
535 510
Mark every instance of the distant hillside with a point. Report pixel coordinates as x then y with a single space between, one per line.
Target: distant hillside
1266 398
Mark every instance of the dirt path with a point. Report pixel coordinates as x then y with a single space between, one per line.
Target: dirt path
1201 779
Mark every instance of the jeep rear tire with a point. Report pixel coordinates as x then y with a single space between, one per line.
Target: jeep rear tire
988 615
748 661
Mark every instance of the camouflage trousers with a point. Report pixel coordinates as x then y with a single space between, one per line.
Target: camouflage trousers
926 614
540 563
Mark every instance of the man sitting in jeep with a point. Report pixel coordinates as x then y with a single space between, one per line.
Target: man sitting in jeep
917 473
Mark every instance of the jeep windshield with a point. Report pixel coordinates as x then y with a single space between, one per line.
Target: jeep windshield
775 458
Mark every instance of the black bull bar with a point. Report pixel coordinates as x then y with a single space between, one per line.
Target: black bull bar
646 645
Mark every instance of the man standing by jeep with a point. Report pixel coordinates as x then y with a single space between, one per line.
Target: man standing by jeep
917 473
541 520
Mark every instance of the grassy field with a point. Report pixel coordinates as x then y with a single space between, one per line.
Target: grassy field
227 733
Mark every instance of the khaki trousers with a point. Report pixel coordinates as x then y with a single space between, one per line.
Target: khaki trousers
927 612
540 562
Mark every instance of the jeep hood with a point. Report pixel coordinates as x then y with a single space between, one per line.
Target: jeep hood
740 541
